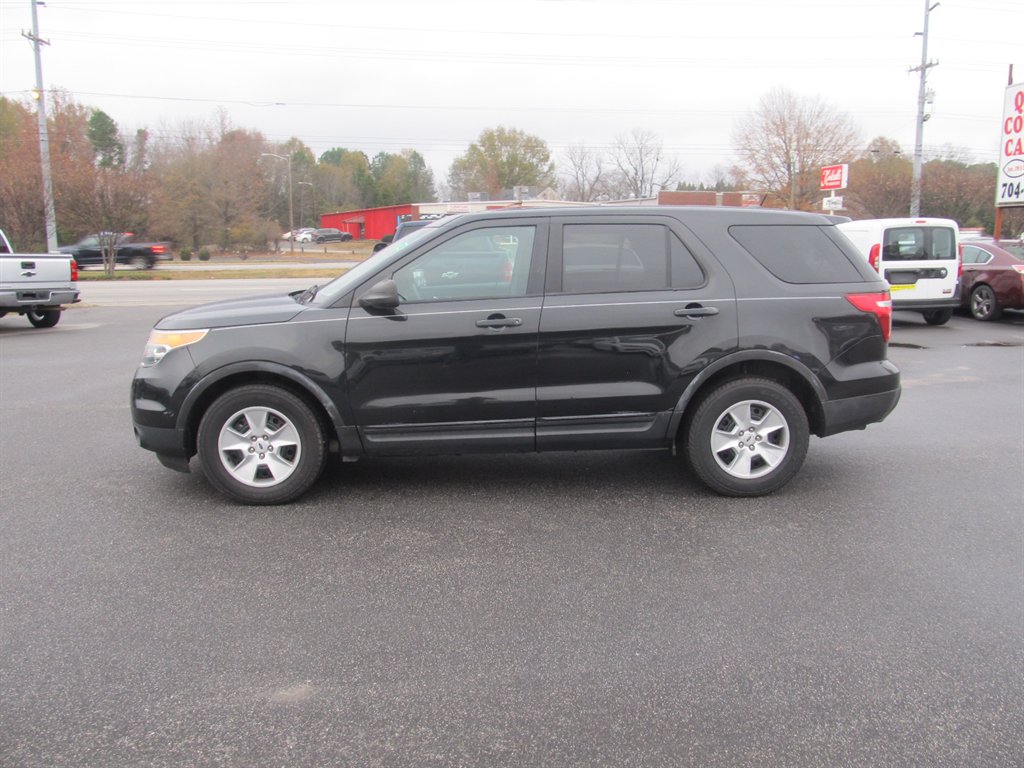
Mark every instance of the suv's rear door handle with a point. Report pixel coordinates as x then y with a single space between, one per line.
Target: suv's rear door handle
499 322
696 311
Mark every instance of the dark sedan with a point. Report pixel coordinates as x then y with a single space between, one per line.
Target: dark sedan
330 235
993 280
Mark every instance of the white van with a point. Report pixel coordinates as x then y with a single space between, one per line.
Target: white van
920 257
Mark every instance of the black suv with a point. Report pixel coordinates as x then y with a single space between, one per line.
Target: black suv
730 335
331 235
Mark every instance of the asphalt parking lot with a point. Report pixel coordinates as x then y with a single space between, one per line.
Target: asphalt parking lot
570 609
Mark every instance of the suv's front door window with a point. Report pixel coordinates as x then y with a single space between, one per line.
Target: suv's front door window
482 264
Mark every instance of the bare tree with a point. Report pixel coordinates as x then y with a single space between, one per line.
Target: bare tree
880 181
642 168
584 174
785 142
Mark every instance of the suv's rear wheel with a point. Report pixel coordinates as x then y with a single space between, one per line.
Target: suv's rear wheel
261 444
747 437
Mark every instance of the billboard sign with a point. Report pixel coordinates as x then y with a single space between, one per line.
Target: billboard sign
834 177
1010 184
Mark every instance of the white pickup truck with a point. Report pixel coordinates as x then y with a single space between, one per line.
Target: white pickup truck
37 285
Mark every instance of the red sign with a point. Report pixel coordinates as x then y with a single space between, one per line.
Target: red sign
834 176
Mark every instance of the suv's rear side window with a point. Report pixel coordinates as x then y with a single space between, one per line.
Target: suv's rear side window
608 258
797 253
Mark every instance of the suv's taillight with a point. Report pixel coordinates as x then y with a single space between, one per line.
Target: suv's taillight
879 304
74 271
876 251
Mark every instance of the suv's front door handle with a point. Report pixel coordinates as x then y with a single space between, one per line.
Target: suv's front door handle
499 322
696 311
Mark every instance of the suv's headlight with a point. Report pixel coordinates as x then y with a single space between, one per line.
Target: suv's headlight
162 342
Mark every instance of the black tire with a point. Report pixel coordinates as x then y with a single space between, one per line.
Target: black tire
937 316
43 318
747 437
140 262
984 304
280 449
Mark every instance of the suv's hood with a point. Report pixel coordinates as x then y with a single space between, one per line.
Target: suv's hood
252 310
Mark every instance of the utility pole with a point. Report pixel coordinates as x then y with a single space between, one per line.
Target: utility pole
44 134
922 93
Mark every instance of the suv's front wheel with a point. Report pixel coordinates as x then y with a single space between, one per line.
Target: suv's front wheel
261 444
747 437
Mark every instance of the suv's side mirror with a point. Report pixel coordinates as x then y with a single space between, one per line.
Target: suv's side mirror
383 295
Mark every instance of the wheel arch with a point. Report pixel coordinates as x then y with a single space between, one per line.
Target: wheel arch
755 363
212 386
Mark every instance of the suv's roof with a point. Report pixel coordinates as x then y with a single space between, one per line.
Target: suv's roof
908 221
680 212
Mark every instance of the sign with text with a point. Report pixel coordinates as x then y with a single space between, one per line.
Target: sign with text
834 176
834 203
1010 184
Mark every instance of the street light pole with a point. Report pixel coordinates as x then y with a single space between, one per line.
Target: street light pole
291 208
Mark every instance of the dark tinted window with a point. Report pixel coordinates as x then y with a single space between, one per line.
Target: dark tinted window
608 258
974 255
686 272
797 253
915 243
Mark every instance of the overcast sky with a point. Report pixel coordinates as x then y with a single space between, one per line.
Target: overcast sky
382 75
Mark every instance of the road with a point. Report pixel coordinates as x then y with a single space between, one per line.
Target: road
564 610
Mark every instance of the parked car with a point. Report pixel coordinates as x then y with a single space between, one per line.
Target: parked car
331 235
919 257
404 228
728 334
37 285
298 234
993 280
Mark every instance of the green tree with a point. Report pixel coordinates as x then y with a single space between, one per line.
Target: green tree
502 158
106 140
402 178
343 181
